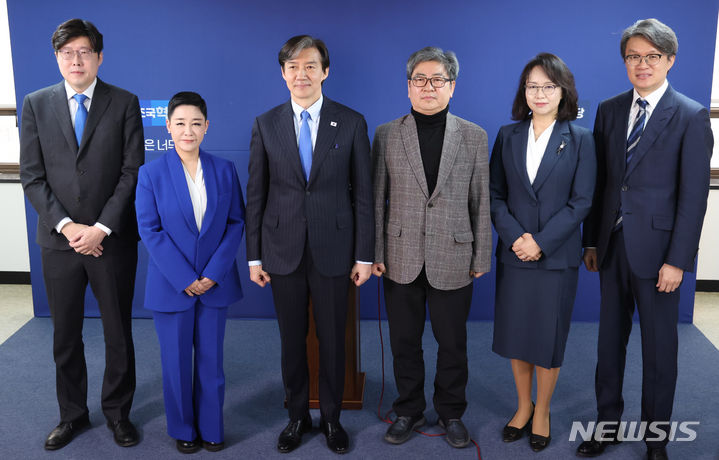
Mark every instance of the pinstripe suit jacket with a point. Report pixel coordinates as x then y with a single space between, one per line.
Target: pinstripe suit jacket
332 212
448 232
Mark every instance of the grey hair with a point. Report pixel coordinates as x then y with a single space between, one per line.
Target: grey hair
656 32
431 53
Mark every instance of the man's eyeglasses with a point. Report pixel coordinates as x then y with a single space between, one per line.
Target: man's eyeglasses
635 59
436 82
69 54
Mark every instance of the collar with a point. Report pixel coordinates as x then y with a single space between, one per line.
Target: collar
653 98
314 109
69 92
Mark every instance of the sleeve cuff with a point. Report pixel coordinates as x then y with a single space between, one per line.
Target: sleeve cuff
103 228
252 263
65 220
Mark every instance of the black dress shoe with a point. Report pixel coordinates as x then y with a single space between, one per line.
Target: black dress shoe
657 453
291 436
213 446
457 434
402 428
62 434
538 442
594 448
337 439
188 447
124 433
511 433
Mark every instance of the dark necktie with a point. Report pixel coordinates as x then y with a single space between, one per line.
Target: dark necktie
637 129
80 117
305 144
634 135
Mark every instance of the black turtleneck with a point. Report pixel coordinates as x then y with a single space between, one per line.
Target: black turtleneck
430 132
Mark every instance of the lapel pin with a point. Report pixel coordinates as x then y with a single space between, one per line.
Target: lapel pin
561 147
337 146
333 123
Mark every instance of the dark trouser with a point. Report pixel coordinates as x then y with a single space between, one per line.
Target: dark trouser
448 312
658 313
112 279
329 303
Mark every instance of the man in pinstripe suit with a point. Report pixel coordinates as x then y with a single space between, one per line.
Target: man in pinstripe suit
310 229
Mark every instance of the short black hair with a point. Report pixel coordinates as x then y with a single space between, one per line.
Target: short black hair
560 75
186 98
73 28
296 44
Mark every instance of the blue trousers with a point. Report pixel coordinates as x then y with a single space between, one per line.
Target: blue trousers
193 400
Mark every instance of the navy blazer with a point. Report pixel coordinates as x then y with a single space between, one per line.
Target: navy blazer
554 205
333 211
663 192
179 254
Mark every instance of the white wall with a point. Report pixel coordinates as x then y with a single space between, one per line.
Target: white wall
13 237
708 258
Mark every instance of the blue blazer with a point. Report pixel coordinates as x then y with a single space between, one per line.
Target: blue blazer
663 192
179 254
554 205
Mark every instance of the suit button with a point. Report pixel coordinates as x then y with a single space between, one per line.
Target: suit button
534 204
81 172
624 188
77 199
307 192
430 205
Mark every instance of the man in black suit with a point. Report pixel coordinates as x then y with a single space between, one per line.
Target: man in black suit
310 228
81 144
653 153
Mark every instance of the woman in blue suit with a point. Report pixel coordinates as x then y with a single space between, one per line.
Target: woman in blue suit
542 175
190 215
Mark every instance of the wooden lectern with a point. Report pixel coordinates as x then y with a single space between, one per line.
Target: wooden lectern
354 379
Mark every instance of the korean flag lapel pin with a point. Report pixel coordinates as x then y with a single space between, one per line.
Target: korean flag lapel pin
333 124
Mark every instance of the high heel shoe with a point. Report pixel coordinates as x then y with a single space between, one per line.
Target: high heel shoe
538 442
511 433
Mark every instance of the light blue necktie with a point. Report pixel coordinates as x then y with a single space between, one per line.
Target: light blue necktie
80 117
305 144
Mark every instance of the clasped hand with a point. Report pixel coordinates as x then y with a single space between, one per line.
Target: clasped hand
199 286
84 239
526 249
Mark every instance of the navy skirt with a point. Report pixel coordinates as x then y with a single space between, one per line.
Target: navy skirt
532 313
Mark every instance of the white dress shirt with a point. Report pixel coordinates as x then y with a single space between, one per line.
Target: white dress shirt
652 101
313 121
198 193
536 148
72 105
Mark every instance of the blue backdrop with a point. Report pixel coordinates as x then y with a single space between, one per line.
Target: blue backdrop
227 51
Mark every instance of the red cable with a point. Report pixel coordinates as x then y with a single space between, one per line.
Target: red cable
386 419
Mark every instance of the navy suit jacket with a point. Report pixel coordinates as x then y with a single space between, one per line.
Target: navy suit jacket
333 211
179 253
662 193
554 205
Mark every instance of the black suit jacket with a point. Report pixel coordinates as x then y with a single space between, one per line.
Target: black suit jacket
92 182
662 193
332 211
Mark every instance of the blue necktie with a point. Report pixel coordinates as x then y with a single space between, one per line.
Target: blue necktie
637 129
634 135
305 144
80 117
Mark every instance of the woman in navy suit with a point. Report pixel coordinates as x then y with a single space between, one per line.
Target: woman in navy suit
542 175
190 215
